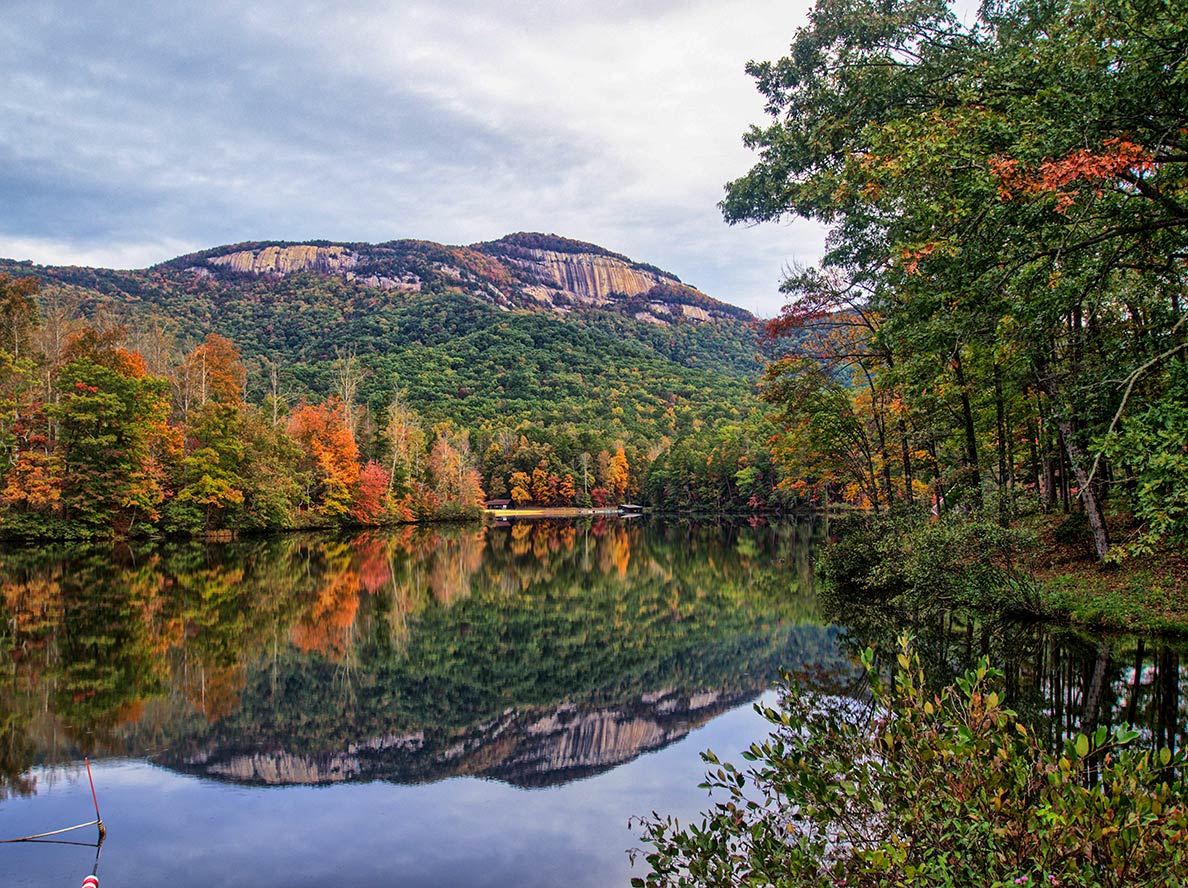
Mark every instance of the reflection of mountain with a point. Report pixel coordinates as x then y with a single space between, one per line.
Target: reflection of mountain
524 748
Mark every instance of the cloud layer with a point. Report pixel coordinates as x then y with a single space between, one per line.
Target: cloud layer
139 130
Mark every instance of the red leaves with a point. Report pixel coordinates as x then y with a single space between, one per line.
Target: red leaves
1119 158
369 505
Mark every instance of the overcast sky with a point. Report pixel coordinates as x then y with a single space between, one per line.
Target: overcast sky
136 131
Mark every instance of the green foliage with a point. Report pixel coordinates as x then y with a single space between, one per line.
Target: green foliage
727 468
1153 446
923 789
915 562
1008 203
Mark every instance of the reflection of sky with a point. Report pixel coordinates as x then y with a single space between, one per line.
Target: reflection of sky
167 829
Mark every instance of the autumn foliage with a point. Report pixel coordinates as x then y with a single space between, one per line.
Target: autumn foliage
96 444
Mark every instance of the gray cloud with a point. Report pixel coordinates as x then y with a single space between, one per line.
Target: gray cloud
135 128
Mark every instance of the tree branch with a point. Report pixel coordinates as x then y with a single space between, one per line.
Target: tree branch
1132 379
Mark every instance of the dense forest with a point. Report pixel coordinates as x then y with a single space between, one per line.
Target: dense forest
197 398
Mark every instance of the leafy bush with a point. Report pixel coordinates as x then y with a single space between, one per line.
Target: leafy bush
924 789
914 561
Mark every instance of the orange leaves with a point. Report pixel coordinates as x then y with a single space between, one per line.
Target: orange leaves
330 452
369 505
912 257
326 626
1010 178
213 372
455 478
34 481
1119 158
617 473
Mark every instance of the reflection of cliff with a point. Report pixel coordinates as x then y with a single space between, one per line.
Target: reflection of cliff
524 748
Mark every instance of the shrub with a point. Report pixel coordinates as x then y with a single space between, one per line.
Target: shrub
923 789
910 560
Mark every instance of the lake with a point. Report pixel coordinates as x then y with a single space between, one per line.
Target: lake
433 706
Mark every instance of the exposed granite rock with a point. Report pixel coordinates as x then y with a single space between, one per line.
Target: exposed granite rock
586 277
525 271
286 260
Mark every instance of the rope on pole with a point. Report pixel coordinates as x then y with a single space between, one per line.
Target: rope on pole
53 832
98 821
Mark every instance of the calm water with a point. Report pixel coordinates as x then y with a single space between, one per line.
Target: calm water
444 706
427 707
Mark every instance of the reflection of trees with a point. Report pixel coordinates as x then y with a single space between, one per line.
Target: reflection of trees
1062 681
315 644
327 624
313 641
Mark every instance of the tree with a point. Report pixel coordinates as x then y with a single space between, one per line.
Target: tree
1008 196
18 323
369 505
540 484
210 488
455 477
617 476
521 488
113 436
330 456
213 371
406 440
566 490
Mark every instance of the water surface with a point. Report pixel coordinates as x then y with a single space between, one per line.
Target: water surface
438 706
427 707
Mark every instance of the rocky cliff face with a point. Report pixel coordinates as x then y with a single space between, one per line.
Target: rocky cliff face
582 277
523 271
282 260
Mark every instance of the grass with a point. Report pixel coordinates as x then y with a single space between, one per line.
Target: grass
1138 595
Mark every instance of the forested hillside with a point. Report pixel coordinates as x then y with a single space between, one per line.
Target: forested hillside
544 370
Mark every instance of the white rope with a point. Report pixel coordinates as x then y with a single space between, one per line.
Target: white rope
55 832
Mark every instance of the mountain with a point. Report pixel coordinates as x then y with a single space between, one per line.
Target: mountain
524 271
530 328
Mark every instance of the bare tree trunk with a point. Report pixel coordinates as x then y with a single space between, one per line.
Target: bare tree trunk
971 439
1132 704
1095 689
1000 417
347 376
907 462
1078 462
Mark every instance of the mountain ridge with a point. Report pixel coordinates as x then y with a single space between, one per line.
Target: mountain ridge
489 335
521 271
